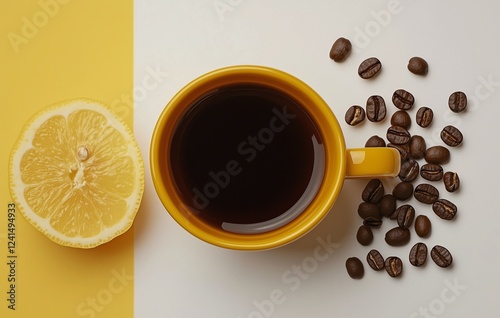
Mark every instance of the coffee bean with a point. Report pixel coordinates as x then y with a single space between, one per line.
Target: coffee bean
441 256
401 119
424 117
372 221
369 68
437 154
354 115
431 172
418 65
409 170
418 254
366 209
457 102
404 150
406 215
393 266
445 209
375 141
373 192
364 235
398 135
451 136
354 267
375 108
417 147
397 236
403 191
403 99
340 50
375 260
426 193
387 205
423 226
451 181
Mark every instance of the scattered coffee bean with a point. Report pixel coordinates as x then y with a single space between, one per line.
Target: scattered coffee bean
445 209
418 254
364 235
369 68
437 154
409 170
373 192
457 102
367 209
403 99
401 119
397 236
423 226
340 50
405 208
398 135
451 136
404 150
393 266
354 115
375 260
441 256
424 117
418 66
417 147
354 267
431 172
403 191
426 193
375 108
372 221
451 181
375 141
387 205
406 215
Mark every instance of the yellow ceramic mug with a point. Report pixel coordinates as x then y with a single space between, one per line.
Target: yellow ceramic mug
339 163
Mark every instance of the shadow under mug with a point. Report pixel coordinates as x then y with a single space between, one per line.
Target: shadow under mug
339 163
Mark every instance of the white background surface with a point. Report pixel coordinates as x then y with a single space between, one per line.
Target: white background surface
179 276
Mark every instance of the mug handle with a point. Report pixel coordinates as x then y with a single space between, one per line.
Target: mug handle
372 162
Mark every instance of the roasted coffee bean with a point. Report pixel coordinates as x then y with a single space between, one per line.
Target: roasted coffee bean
417 147
354 115
354 267
445 209
441 256
404 150
424 117
451 181
387 205
375 260
403 99
373 192
406 215
401 119
398 135
426 193
340 50
364 235
418 254
373 222
366 209
451 136
403 191
431 172
397 236
423 226
393 266
375 141
369 68
418 65
457 102
437 154
409 170
375 108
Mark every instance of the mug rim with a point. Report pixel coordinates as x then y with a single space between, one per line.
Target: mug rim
323 118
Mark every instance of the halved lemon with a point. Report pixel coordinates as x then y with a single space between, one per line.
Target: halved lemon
77 174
